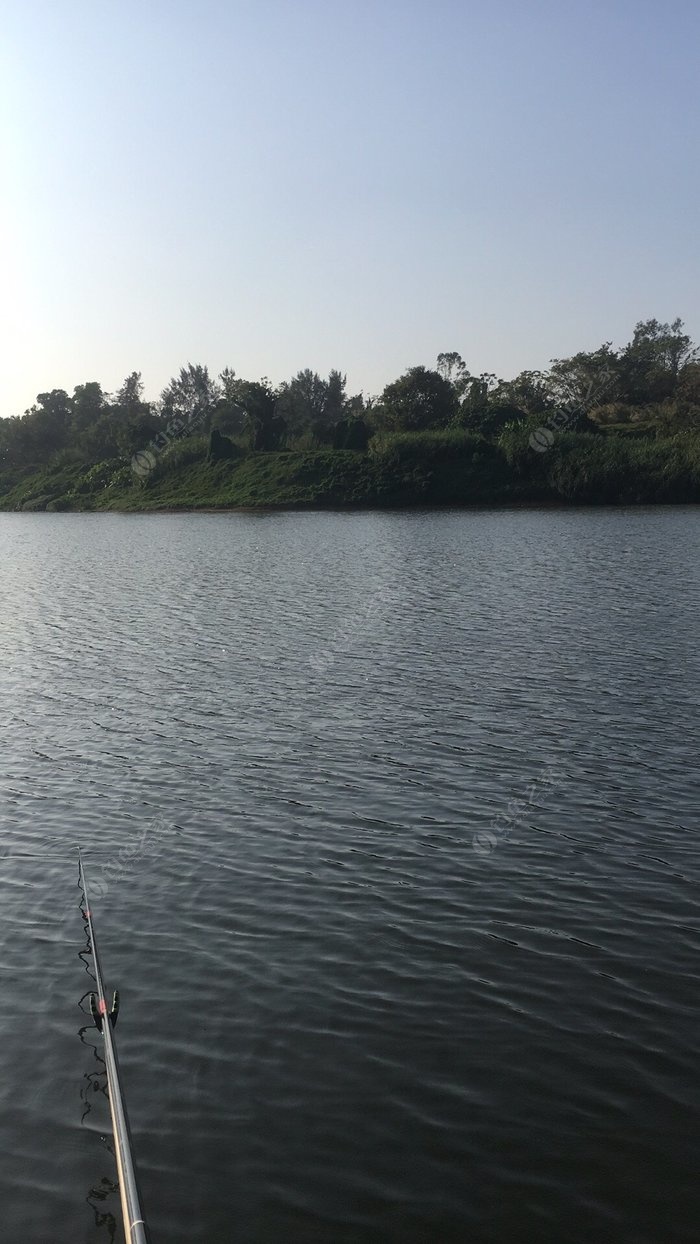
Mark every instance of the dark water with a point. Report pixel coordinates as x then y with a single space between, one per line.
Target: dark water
393 826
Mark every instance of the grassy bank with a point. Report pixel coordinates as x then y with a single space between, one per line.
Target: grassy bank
431 468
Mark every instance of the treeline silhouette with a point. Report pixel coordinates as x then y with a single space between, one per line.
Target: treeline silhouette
647 392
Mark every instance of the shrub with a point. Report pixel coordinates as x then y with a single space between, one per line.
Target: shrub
98 477
426 448
184 452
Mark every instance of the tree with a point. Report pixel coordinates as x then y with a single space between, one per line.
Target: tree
88 404
689 383
230 416
221 447
307 402
127 424
335 398
268 428
351 434
530 392
228 383
356 405
130 395
47 426
652 362
452 367
302 400
419 399
137 430
191 396
587 379
476 405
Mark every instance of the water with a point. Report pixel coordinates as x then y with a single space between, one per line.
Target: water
392 820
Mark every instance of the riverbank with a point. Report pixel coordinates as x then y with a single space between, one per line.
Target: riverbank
407 471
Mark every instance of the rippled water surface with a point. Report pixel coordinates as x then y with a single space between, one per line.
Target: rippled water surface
392 821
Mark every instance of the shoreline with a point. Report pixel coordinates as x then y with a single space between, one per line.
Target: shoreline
474 474
314 508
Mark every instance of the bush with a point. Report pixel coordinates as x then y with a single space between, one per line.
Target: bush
221 448
583 468
184 452
607 470
426 448
352 434
612 412
98 477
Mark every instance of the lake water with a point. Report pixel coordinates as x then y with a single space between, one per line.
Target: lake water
392 823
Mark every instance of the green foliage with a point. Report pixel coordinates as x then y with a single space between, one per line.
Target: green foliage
488 418
452 367
353 434
651 365
308 402
418 400
436 445
450 467
230 416
514 443
622 425
191 396
530 393
97 478
613 470
179 453
587 380
87 406
221 448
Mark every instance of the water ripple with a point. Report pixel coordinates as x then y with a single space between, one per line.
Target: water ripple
392 821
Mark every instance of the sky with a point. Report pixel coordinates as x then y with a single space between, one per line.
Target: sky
361 184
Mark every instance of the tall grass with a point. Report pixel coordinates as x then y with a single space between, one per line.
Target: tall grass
431 446
182 453
624 469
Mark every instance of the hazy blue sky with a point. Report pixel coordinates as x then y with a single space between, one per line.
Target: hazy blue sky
280 184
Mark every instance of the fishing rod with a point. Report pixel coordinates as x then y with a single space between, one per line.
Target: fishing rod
105 1019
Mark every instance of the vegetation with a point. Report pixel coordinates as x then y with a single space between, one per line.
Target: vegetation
605 426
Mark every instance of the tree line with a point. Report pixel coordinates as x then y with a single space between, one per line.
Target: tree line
651 386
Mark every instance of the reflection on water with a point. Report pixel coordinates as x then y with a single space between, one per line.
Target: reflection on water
394 819
104 1218
95 1081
